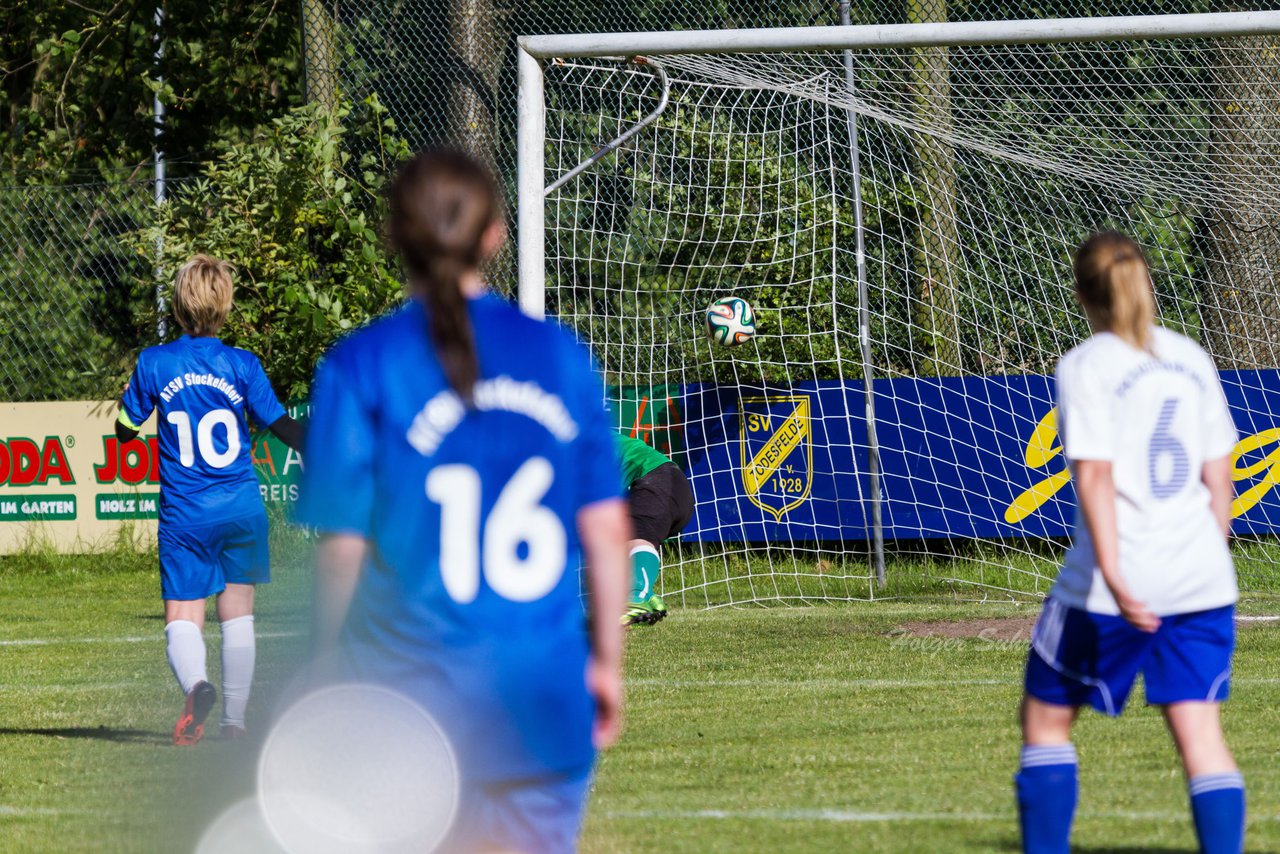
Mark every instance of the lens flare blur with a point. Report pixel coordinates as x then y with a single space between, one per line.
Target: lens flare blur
357 768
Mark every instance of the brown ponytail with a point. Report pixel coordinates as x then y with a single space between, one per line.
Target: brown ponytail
1113 282
441 204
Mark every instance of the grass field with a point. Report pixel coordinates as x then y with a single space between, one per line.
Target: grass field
851 727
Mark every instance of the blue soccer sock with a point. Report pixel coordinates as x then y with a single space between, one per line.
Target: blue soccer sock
1217 805
1047 788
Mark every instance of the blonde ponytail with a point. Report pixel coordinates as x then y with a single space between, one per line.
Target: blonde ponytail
1113 282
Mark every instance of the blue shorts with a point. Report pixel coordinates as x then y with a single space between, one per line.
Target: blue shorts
1078 657
531 816
196 563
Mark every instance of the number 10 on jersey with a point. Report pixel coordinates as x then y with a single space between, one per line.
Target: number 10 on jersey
204 437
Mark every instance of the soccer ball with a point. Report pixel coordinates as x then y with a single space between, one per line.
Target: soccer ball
730 321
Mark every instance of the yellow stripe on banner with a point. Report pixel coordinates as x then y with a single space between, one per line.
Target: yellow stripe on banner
780 445
1031 500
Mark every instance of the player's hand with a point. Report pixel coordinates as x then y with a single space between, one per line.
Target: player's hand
1137 614
604 683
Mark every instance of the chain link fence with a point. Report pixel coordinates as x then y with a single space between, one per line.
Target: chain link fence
71 309
447 70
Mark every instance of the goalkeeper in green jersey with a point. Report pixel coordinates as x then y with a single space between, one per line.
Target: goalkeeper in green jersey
661 504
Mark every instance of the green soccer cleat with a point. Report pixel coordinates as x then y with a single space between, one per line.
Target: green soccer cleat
645 613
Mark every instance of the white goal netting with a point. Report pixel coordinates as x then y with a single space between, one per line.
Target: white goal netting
979 169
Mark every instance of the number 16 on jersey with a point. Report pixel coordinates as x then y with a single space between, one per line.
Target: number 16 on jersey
517 518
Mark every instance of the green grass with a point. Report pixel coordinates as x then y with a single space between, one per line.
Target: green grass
748 729
87 703
742 725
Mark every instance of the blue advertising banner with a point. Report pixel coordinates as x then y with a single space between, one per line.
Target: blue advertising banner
959 457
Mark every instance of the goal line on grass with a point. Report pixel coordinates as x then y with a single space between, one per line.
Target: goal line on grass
126 639
858 816
1243 618
795 685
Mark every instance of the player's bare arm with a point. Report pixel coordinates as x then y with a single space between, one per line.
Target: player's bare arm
1096 489
1216 475
338 561
605 530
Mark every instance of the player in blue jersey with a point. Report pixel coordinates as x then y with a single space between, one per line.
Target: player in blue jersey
461 466
1148 584
213 528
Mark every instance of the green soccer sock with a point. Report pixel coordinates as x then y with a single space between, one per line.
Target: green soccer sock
646 565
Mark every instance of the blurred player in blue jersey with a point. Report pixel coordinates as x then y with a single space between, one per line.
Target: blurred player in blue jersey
213 528
460 466
1147 586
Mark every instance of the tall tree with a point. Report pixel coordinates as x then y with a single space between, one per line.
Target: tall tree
479 35
1241 302
319 54
936 239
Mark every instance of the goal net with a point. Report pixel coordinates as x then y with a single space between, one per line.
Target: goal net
902 416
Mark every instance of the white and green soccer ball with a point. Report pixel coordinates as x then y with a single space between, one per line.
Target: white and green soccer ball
730 321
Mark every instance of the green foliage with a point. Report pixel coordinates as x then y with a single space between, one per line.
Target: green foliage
639 252
76 82
65 262
297 215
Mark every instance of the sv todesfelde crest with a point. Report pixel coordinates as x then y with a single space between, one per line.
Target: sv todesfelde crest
777 451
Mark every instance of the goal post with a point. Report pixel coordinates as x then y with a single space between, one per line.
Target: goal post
530 184
901 390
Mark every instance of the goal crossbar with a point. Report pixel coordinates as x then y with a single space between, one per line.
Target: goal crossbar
869 36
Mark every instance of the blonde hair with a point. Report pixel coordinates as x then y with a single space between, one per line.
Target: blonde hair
1113 282
202 295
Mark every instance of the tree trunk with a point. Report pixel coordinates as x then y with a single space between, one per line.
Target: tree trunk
319 54
478 34
1240 306
937 311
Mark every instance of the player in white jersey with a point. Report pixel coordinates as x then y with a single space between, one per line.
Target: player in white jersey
1148 584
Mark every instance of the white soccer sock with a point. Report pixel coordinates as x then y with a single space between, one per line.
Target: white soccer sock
184 646
238 653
